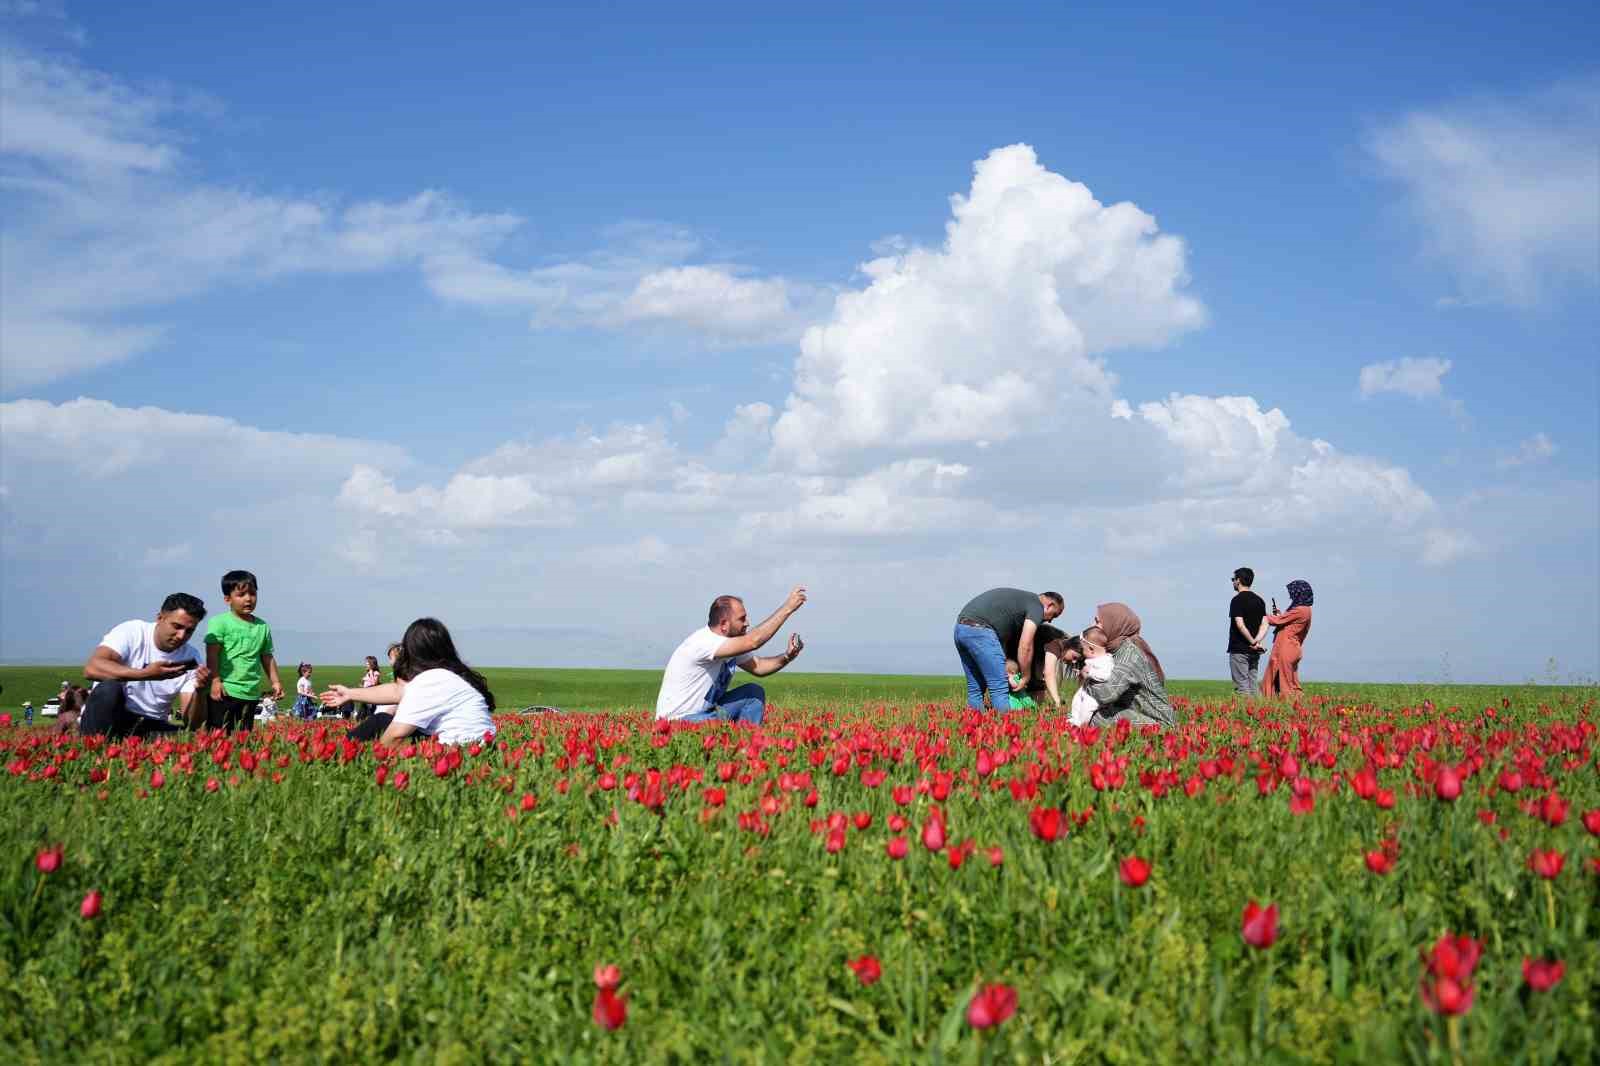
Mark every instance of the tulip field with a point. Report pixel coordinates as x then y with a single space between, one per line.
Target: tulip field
1346 880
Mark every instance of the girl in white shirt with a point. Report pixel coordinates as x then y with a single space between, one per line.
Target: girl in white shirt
435 693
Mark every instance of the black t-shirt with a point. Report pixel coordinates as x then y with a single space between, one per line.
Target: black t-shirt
1252 609
1005 610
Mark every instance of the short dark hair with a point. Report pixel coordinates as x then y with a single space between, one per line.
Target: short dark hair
234 580
1055 598
182 601
1245 576
721 608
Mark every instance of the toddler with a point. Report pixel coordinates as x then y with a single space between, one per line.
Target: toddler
305 698
1097 665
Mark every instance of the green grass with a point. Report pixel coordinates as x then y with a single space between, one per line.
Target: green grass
591 690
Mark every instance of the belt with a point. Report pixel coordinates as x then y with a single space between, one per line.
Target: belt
979 623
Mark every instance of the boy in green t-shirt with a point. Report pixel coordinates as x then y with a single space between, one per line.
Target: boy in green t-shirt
239 653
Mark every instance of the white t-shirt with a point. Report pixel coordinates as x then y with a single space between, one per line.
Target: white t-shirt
135 641
303 687
695 678
1095 668
441 704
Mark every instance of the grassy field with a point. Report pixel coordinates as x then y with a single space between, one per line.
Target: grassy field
594 690
841 884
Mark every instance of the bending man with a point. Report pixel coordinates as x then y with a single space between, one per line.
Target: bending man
695 685
995 626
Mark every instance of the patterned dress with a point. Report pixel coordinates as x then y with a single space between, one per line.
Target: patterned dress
1134 692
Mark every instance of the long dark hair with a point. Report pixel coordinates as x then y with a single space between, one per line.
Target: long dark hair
427 646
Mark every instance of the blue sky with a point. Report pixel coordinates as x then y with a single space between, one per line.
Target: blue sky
561 322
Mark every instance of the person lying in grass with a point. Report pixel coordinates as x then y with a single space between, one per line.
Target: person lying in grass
434 693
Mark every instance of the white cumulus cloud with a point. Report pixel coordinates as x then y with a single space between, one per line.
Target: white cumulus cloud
1420 378
964 342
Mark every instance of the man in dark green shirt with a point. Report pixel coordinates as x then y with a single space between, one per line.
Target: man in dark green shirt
997 625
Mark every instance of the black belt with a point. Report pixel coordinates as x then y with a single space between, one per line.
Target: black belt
975 622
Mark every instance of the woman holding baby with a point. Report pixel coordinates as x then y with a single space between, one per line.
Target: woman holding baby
1120 677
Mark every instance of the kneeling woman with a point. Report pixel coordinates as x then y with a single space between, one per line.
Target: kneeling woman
435 694
1136 690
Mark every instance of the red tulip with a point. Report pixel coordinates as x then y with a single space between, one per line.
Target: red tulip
1259 925
212 784
1384 799
607 781
991 1005
1454 957
867 969
863 820
1447 786
49 859
401 780
997 855
441 766
528 802
607 976
1591 821
610 1009
933 834
1553 809
1542 974
1288 766
1446 995
157 779
1134 871
1046 823
835 841
90 908
1379 862
1546 864
897 847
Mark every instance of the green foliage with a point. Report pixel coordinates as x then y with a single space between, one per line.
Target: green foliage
302 912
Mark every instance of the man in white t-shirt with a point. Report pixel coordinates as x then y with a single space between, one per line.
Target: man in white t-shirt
695 685
140 667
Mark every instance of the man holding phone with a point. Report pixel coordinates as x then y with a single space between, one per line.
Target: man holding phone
140 667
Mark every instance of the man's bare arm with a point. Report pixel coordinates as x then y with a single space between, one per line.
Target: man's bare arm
1025 652
106 665
764 632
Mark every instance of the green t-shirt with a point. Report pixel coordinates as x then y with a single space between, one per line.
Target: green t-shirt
1005 610
241 644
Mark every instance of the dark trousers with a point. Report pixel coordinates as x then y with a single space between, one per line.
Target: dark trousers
231 714
372 728
106 714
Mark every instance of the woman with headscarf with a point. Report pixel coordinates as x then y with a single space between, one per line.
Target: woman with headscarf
1290 628
1136 690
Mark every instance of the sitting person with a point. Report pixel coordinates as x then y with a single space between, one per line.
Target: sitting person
694 687
73 700
1097 667
435 694
1136 690
141 667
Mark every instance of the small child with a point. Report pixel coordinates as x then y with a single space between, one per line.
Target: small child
1097 664
1020 701
305 694
239 653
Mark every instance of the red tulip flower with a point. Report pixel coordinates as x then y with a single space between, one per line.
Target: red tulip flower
1046 823
1259 925
610 1009
607 976
49 859
1446 995
90 908
933 834
991 1005
867 969
897 848
1379 862
1134 871
1542 974
997 855
1591 821
1447 786
1546 864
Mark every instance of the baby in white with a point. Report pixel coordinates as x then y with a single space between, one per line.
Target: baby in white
1096 666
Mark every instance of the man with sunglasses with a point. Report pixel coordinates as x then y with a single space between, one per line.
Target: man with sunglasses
1247 633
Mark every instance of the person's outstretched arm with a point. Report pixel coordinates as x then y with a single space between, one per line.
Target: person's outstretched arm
1030 629
764 632
771 664
1052 677
338 694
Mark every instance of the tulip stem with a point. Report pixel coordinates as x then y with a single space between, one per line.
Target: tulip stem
1453 1028
1550 904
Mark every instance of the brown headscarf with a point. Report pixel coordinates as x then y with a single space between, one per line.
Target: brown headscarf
1120 624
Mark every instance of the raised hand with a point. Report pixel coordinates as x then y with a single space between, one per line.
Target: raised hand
796 646
335 695
797 598
165 669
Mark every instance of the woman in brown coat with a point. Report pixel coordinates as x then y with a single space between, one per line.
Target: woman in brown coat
1290 629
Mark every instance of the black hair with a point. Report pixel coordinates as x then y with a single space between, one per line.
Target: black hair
721 609
182 601
1245 576
427 646
1055 598
235 580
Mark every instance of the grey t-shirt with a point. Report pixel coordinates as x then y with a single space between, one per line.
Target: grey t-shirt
1005 610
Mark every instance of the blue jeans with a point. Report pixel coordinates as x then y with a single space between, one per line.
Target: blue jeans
747 703
984 663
